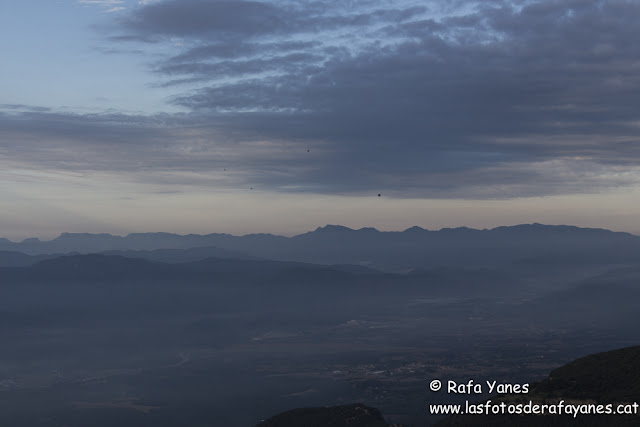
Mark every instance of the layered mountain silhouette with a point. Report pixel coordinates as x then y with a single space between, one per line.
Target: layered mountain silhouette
243 317
114 267
393 251
19 259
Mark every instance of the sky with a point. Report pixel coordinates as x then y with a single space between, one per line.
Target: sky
194 116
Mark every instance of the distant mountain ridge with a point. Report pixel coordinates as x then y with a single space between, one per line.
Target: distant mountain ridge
117 268
412 248
19 259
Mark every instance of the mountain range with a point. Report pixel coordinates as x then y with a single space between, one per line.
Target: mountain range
153 329
385 250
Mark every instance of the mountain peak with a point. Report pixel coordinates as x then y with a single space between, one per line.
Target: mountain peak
458 229
368 230
86 236
415 229
332 229
31 240
548 228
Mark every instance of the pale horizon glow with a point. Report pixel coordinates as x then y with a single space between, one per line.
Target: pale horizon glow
251 211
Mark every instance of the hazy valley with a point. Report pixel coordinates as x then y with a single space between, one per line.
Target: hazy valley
167 330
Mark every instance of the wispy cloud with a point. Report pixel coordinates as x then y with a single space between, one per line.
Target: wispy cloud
475 100
109 5
101 2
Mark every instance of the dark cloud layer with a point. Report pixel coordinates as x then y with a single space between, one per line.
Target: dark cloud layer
191 18
486 99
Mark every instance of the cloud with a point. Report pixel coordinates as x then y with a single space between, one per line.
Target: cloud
207 152
15 108
104 3
194 17
109 5
464 99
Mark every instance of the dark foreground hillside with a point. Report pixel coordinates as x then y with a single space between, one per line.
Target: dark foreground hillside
611 377
356 415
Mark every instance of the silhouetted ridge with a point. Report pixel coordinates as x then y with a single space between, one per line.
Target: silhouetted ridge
356 415
460 230
611 377
415 229
341 229
332 229
76 236
31 240
181 255
101 266
564 229
393 251
18 259
95 266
